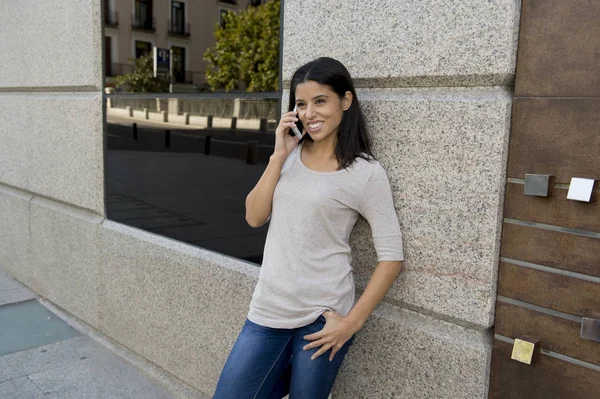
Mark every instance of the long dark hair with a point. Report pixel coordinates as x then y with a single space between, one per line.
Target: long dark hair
352 137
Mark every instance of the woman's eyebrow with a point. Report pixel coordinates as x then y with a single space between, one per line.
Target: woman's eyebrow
314 98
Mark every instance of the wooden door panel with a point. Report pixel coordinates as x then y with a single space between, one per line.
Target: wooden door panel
555 210
559 48
565 294
555 334
557 136
549 378
555 131
551 248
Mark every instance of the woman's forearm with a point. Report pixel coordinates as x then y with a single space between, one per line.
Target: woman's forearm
382 279
260 200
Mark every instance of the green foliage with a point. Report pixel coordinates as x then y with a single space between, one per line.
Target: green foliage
246 50
142 79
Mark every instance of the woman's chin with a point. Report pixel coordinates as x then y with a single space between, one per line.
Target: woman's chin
319 136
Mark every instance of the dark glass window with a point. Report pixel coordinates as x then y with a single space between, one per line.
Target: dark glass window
181 153
177 16
179 64
142 17
222 13
142 48
108 55
142 11
189 182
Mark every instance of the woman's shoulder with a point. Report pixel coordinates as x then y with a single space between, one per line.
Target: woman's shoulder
366 163
289 161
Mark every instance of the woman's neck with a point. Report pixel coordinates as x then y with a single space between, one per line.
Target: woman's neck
323 149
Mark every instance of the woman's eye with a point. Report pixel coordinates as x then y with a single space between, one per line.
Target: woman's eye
300 105
320 101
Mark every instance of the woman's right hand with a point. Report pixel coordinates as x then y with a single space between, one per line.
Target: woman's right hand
285 143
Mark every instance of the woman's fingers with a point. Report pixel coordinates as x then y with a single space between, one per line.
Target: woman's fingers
314 336
287 122
323 349
314 344
334 350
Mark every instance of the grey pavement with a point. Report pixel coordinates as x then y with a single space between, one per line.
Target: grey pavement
43 356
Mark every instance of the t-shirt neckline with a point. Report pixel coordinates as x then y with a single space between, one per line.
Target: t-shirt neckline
316 172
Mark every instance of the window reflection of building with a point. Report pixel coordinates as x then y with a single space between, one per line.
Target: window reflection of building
148 198
188 25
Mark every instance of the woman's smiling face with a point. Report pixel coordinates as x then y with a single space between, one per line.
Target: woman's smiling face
320 109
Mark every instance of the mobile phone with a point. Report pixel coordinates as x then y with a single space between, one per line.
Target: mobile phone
295 131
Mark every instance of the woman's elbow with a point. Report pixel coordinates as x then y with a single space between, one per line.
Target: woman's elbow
394 266
254 223
251 222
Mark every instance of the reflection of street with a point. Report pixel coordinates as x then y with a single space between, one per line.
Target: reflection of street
180 192
163 137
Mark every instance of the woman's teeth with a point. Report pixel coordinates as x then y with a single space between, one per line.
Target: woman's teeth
315 125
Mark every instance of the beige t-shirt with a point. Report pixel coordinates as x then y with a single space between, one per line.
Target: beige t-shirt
306 267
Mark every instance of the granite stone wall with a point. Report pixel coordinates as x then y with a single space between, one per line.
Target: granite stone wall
434 81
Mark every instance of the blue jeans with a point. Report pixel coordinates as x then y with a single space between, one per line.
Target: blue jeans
270 363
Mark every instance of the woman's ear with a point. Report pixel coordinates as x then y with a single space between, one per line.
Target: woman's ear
347 100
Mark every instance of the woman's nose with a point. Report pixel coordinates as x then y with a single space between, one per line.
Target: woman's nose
309 112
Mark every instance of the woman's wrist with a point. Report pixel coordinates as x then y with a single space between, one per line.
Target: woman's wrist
356 321
277 159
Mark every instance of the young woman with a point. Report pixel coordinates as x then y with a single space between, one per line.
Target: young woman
302 317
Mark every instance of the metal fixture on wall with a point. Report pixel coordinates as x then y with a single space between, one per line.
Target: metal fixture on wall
526 350
582 189
539 185
590 327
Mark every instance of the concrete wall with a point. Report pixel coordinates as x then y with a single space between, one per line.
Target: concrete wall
180 306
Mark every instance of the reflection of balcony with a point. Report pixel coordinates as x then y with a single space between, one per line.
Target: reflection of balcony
115 69
179 29
111 18
143 24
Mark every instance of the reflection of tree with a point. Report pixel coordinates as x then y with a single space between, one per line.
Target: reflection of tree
246 50
142 78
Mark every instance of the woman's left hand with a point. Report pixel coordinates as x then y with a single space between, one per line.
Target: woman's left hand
337 331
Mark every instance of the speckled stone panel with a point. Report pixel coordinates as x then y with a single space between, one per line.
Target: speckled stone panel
50 43
15 244
389 43
445 155
54 146
179 306
66 257
402 354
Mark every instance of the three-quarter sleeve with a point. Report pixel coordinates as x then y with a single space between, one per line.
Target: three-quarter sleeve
377 207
